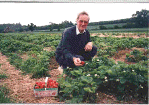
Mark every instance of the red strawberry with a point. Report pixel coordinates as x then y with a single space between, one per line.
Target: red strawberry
56 83
42 86
36 87
50 80
55 86
82 62
36 83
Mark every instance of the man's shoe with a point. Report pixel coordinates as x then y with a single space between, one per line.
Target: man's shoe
60 69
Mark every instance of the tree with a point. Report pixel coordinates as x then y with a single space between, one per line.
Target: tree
31 26
141 18
59 27
66 24
116 27
102 27
21 29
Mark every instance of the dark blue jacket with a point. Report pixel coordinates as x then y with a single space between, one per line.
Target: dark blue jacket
72 44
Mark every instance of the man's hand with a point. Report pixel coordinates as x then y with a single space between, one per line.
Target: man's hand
88 46
77 61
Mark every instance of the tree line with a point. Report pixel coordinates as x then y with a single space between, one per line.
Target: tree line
140 19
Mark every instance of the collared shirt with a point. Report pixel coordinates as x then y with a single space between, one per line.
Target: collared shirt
78 32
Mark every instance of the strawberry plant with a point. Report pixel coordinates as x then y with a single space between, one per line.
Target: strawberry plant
81 83
135 56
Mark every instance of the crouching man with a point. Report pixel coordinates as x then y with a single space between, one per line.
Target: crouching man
75 45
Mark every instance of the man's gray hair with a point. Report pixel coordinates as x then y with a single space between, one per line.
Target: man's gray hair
83 13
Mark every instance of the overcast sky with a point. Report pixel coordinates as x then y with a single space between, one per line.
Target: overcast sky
42 13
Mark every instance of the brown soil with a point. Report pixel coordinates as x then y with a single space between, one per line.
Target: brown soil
21 86
48 49
110 99
53 64
121 55
121 35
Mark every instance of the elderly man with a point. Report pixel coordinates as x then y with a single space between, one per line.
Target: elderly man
75 45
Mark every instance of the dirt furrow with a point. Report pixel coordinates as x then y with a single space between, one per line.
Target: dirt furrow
21 86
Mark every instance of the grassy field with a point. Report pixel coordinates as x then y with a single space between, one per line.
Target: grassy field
33 53
129 30
107 26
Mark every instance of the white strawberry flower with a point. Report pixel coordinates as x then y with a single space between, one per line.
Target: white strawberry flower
96 75
97 59
105 77
117 79
124 71
141 86
133 70
88 75
106 80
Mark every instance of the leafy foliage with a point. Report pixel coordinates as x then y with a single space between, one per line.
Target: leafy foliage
31 26
4 95
14 45
81 83
136 56
141 18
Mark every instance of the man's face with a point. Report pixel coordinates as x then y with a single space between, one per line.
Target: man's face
82 22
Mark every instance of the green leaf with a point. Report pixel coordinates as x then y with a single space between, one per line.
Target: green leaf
81 84
140 78
86 79
88 89
76 72
67 84
94 88
122 80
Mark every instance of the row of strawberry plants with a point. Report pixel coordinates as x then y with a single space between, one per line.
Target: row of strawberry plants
11 45
37 65
110 45
81 84
38 39
120 43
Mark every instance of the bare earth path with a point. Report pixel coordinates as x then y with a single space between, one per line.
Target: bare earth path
21 86
120 35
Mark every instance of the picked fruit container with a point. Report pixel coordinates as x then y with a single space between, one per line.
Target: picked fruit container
47 88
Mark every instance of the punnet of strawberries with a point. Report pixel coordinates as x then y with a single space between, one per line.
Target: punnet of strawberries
50 84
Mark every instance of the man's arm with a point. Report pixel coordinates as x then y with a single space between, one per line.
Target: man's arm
88 46
66 45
